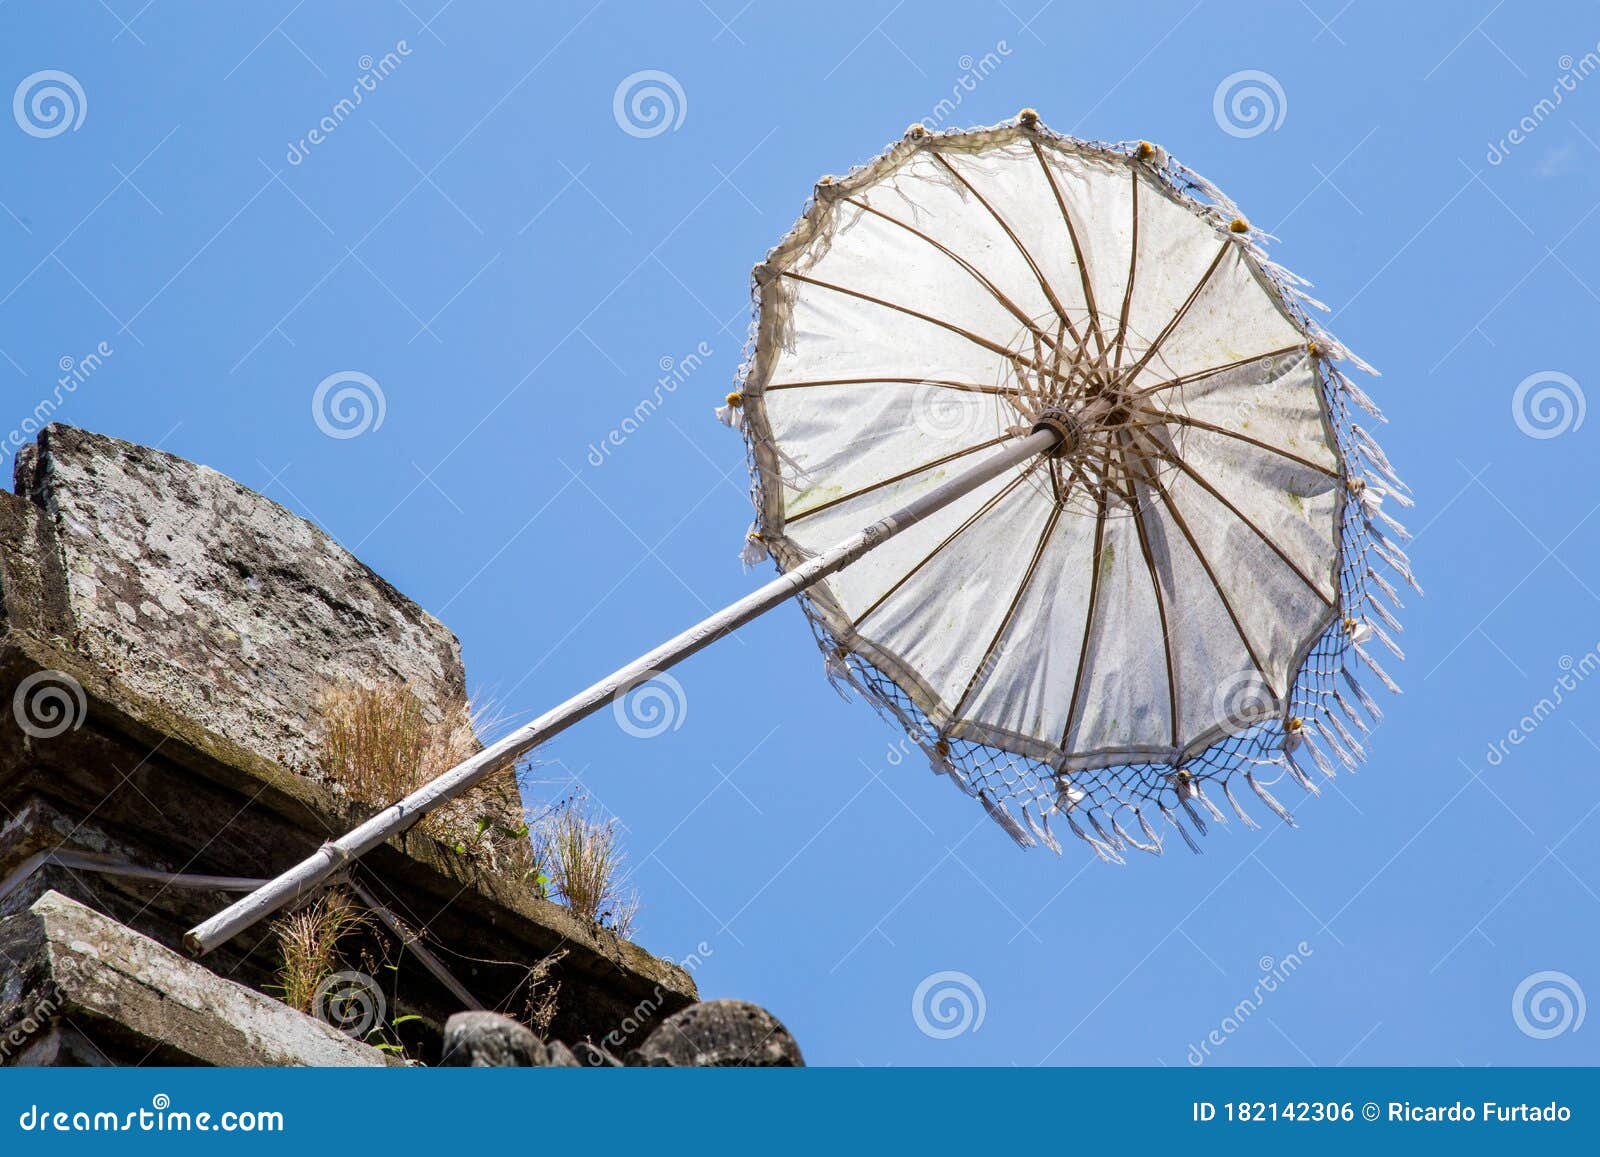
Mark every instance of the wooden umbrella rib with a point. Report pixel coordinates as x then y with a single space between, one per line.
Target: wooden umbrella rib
969 387
999 295
1133 264
1202 375
1132 497
1088 621
1216 583
966 525
901 477
1011 610
1044 283
1199 424
1183 311
984 342
1177 461
1077 250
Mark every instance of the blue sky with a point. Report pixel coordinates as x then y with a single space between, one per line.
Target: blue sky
483 240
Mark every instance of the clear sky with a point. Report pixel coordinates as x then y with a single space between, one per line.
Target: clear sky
485 240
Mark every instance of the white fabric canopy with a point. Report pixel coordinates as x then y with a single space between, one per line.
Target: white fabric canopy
1155 588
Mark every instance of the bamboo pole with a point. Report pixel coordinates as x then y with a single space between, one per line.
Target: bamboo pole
332 856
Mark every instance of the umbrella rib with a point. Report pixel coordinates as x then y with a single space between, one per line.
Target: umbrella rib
994 347
1005 621
1132 497
1133 264
1242 517
901 477
1088 621
970 387
1201 375
966 525
1183 311
1077 251
1216 583
1044 284
1186 420
1009 305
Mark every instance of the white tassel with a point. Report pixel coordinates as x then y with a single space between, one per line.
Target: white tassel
1324 765
1006 820
1103 853
1299 775
1383 637
1153 849
1331 738
1363 696
1350 712
1244 816
1182 831
1383 676
1069 797
1194 816
1374 451
1386 587
1150 832
1396 561
1384 613
1345 735
1041 830
1267 798
837 669
1111 841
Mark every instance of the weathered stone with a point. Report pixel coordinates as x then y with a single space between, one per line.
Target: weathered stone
720 1033
146 775
592 1056
487 1040
81 988
559 1056
217 602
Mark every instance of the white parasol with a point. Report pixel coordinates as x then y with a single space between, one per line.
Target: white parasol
1067 482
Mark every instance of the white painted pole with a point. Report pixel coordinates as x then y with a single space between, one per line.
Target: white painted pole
311 872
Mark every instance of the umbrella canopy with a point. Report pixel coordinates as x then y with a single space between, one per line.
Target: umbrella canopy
1163 603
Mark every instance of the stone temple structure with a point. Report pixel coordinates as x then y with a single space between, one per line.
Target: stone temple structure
163 634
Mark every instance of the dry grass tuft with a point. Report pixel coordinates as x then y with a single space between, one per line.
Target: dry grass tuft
379 745
582 854
308 944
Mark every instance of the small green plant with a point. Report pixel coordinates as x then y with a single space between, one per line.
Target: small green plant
582 853
308 945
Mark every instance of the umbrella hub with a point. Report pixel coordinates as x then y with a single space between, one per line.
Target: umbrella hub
1116 437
